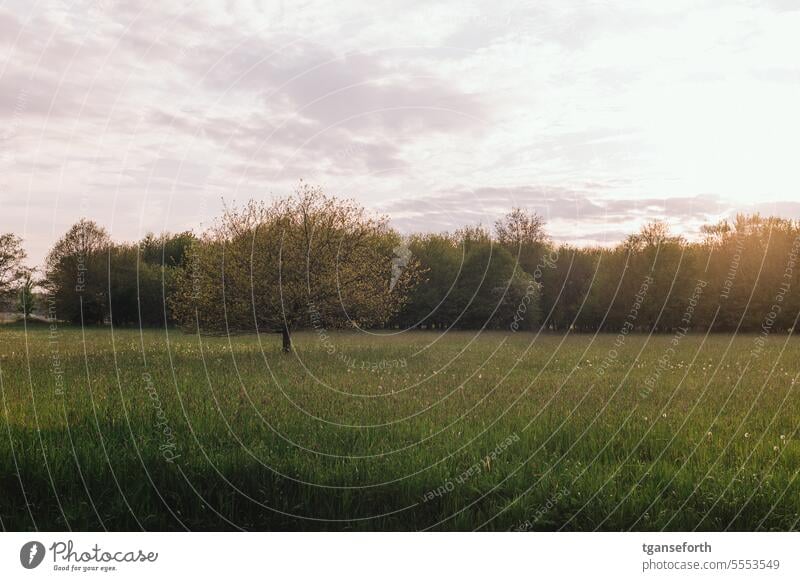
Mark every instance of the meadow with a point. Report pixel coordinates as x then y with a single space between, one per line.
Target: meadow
160 430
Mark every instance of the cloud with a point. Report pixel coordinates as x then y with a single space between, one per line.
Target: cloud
783 5
784 209
357 90
9 28
554 203
587 216
600 115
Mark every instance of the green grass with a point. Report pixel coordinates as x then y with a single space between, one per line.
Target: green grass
314 442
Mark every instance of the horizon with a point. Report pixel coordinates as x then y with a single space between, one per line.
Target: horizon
558 241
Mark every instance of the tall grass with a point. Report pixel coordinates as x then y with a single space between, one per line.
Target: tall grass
155 430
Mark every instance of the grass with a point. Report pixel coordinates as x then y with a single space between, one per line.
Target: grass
497 431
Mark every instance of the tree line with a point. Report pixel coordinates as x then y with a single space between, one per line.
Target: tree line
318 262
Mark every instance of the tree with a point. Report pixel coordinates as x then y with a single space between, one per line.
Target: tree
26 299
652 235
430 302
136 288
565 282
306 260
141 278
76 273
11 257
519 228
166 249
522 234
657 256
491 289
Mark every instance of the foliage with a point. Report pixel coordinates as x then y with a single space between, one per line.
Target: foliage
314 261
76 273
92 280
11 257
26 300
306 260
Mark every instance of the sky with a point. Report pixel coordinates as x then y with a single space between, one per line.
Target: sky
599 115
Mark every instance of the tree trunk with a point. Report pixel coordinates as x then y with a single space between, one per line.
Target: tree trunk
287 340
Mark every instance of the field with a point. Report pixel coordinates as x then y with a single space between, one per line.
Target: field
155 430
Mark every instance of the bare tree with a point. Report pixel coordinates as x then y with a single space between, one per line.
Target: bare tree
652 235
519 228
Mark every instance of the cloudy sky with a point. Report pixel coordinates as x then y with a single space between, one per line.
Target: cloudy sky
597 114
